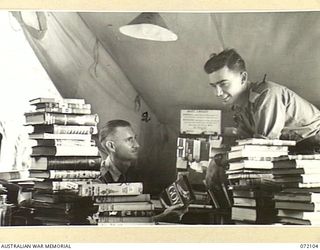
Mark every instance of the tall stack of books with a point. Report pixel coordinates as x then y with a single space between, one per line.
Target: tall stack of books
124 203
299 202
64 157
253 182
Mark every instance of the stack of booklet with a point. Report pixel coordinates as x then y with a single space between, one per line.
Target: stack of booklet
299 202
253 179
129 205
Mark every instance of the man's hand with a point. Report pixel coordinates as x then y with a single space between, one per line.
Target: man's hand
174 211
215 175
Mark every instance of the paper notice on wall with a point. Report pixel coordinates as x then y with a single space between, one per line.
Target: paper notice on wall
200 122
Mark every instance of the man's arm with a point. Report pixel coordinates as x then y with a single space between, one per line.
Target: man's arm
269 114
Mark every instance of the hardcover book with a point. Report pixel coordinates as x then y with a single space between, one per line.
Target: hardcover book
253 148
45 105
64 174
304 206
34 118
62 129
247 164
179 192
125 206
298 197
55 100
270 142
66 186
240 154
127 213
66 163
115 220
65 110
110 189
65 151
295 221
64 142
298 214
49 136
119 199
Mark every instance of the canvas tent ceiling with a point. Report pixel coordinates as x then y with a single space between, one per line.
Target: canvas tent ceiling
170 75
86 56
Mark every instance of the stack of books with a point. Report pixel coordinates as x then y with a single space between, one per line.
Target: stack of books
125 204
299 202
253 181
63 158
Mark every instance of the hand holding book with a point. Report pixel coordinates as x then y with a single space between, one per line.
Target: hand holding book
173 211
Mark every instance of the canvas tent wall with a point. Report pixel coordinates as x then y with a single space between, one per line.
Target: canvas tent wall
81 67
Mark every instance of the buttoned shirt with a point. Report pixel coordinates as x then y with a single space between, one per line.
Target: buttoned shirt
273 111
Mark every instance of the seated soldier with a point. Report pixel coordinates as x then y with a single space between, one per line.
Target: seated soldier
118 139
264 109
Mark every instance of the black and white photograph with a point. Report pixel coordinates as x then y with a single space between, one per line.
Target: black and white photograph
159 119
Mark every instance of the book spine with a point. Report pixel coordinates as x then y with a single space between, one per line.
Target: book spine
34 118
204 151
69 119
48 136
105 199
104 207
189 149
248 154
75 130
73 163
54 105
126 213
180 148
203 206
65 185
73 174
66 151
111 189
65 142
268 142
196 150
64 100
65 110
61 129
124 220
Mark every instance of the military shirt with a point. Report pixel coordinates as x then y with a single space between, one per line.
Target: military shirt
109 173
274 111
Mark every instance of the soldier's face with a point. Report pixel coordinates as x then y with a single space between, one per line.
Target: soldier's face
125 143
229 84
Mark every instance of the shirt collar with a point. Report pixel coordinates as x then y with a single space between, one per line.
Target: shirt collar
108 166
248 95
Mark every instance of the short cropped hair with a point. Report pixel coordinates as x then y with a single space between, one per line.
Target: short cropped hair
110 127
229 58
